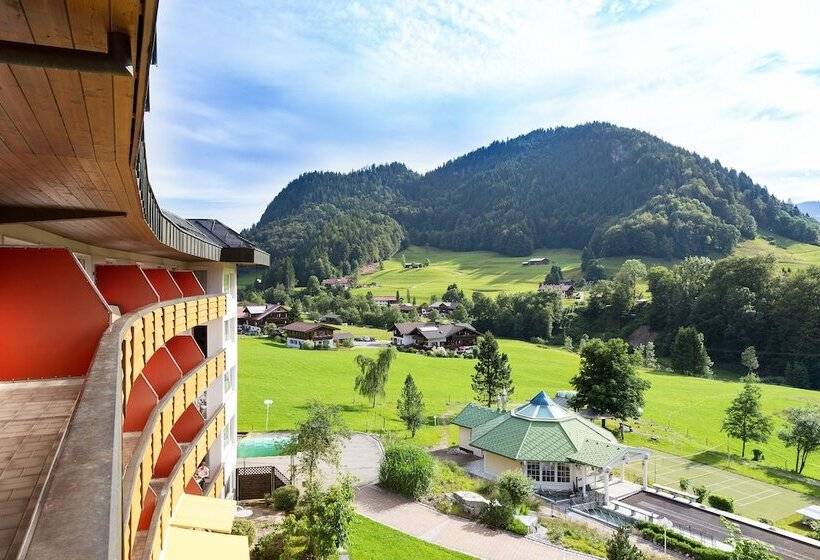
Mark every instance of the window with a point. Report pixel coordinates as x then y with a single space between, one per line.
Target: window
230 329
563 472
228 281
534 471
548 472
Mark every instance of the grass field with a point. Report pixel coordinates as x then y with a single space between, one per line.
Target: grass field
682 414
492 273
373 541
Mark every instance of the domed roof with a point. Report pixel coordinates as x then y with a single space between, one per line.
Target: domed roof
541 408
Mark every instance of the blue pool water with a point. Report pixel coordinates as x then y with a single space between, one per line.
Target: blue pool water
262 446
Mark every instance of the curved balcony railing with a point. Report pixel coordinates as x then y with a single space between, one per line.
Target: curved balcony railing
81 513
173 487
139 471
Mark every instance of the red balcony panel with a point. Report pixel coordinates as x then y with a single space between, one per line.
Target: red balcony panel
188 283
169 456
193 488
125 286
163 283
188 425
148 506
162 371
185 351
51 315
141 403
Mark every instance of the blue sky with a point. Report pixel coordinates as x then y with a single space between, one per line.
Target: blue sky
249 94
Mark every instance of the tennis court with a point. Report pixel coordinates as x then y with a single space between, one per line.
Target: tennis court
753 498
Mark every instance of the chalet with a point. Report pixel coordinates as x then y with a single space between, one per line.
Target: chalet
260 315
566 289
409 265
556 448
385 300
433 335
330 319
442 307
299 332
341 338
403 307
535 261
342 282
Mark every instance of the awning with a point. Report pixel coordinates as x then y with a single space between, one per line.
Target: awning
185 544
201 512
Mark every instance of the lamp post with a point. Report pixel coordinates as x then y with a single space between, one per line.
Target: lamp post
267 403
666 524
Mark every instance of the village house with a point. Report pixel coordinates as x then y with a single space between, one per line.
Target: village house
409 265
441 307
566 289
535 261
385 300
342 282
433 335
556 448
319 334
260 315
330 319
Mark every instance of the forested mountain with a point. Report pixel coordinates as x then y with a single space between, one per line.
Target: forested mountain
812 208
610 190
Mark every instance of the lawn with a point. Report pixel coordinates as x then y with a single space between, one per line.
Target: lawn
373 541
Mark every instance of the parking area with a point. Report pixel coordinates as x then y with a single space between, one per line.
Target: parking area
708 525
752 498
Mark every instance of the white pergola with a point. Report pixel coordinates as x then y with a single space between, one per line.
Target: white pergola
621 459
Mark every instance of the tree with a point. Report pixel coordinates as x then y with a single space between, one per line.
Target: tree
619 547
326 518
514 488
749 359
689 353
453 294
255 298
744 419
802 432
318 438
568 345
649 359
288 274
492 371
432 315
744 548
607 382
459 314
371 381
410 405
295 312
555 276
314 287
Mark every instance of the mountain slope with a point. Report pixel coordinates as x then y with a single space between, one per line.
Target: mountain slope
812 208
599 187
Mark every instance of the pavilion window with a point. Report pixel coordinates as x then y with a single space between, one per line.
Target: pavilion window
548 472
534 471
563 472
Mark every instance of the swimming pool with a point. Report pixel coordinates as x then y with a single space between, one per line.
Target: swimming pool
262 445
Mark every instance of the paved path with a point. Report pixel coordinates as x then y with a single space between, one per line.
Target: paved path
452 532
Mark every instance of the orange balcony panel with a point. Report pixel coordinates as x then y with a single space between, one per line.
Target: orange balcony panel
163 283
162 371
188 424
141 402
185 351
125 286
188 283
193 488
51 315
168 457
148 506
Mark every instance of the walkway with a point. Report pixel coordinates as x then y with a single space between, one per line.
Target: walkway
452 532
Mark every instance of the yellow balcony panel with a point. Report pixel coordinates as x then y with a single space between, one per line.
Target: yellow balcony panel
200 512
184 544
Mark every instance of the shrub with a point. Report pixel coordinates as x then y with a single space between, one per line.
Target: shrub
701 492
308 345
722 503
514 488
269 547
575 535
244 527
284 498
684 484
498 515
680 543
517 526
407 470
757 455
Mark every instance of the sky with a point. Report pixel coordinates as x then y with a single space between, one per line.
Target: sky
248 95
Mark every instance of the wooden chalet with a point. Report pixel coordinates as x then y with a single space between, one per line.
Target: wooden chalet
433 335
566 289
299 332
260 315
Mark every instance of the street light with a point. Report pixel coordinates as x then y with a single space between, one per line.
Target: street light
267 403
666 524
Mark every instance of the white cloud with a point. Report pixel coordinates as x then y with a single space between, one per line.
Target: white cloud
340 85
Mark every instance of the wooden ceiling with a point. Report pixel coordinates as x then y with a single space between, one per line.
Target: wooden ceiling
70 138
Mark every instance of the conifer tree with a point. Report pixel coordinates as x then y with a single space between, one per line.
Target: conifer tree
410 405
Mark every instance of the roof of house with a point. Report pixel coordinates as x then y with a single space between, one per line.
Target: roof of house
342 335
440 304
432 330
540 430
256 309
563 287
275 308
385 298
305 327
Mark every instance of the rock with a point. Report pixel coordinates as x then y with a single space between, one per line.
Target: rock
529 521
473 503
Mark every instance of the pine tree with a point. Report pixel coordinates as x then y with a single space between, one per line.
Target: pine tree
744 419
619 547
492 374
749 359
689 353
410 405
649 359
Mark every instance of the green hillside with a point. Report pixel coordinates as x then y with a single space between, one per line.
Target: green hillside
492 273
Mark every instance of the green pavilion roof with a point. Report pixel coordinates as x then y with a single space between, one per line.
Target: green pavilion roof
474 415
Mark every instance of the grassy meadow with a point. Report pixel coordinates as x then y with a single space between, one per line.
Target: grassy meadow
682 414
373 541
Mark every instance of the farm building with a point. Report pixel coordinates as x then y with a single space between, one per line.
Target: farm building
566 289
535 261
557 449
